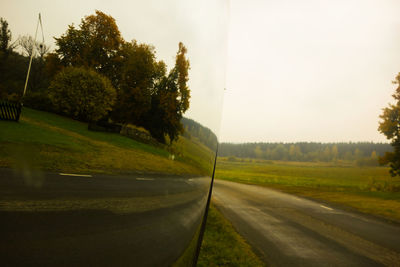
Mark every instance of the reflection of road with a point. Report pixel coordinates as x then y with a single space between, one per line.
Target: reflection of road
52 220
291 231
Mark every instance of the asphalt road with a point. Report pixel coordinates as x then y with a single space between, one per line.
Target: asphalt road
286 230
62 220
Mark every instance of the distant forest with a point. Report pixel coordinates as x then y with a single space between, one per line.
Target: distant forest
363 153
194 130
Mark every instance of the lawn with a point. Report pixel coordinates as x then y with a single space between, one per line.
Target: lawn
367 189
50 142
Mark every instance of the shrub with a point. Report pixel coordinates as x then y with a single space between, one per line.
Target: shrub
367 162
81 94
38 100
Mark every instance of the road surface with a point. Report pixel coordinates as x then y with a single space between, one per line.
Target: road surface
97 220
286 230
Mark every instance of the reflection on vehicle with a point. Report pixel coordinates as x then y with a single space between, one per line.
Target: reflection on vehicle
110 162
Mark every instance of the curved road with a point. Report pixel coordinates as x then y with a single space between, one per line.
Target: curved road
64 220
286 230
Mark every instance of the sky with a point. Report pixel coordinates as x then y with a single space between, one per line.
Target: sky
309 70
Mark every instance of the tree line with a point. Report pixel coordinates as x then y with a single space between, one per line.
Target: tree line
364 153
94 74
204 135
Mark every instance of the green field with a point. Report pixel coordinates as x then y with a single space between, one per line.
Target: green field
50 142
367 189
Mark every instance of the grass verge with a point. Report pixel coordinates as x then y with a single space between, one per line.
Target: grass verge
367 189
223 246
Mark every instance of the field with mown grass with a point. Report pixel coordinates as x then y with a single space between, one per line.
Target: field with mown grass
367 189
49 142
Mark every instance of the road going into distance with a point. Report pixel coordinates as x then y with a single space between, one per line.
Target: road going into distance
286 230
97 220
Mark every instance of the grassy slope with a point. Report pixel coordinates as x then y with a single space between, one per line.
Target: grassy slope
367 189
50 142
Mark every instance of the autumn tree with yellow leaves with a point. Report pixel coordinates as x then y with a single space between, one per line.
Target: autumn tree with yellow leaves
390 127
146 95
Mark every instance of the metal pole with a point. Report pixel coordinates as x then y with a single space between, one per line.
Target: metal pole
30 61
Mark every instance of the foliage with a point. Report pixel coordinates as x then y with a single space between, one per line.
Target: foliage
52 65
195 130
368 161
95 44
12 72
13 68
305 151
146 95
390 127
5 38
82 94
170 100
182 67
139 72
38 100
29 46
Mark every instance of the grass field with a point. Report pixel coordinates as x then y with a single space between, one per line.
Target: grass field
50 142
367 189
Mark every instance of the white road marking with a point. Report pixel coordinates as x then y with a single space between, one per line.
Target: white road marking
75 175
322 206
144 179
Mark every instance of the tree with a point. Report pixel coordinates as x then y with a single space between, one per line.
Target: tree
82 94
139 73
38 80
170 100
279 152
334 152
53 65
258 152
5 37
182 67
42 50
390 127
95 44
326 154
27 44
358 154
292 153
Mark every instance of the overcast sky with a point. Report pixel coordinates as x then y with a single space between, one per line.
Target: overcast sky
310 70
297 70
